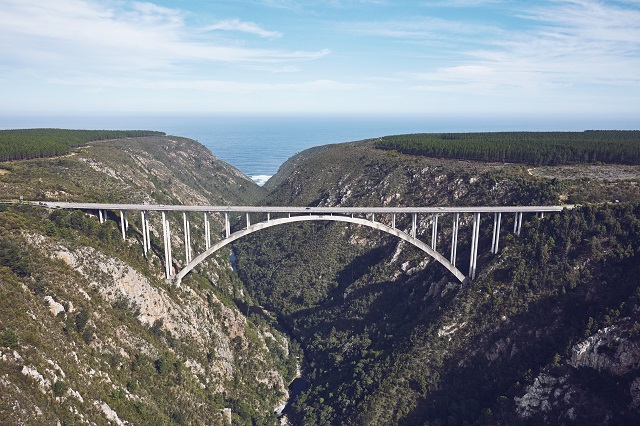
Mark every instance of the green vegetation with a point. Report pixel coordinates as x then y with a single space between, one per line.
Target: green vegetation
375 341
23 144
537 148
388 335
95 318
130 170
9 339
391 338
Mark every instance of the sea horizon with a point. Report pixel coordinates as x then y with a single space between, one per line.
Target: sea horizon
258 144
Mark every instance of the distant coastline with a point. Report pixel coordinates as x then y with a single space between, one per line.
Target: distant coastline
258 145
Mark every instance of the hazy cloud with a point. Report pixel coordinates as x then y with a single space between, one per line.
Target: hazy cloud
85 35
245 27
420 28
573 44
536 53
222 86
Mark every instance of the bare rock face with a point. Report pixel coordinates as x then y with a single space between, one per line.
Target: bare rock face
607 350
54 306
608 353
192 321
538 397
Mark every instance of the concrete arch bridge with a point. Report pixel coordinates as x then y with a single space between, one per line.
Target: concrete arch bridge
273 216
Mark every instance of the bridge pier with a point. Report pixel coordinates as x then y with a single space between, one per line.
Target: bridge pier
122 225
474 245
207 231
434 230
144 231
166 231
414 225
187 237
497 217
454 237
517 223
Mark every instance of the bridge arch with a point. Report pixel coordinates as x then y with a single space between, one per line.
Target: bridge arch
311 217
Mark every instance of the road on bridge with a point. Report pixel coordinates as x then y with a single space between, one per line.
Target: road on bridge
288 209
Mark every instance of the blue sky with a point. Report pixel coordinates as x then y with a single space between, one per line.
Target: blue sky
432 57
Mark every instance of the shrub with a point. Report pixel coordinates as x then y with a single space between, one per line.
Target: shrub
81 319
9 339
161 365
59 388
88 335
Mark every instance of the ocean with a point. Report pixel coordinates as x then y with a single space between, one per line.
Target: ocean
258 144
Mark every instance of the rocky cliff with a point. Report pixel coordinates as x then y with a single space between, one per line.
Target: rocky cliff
90 331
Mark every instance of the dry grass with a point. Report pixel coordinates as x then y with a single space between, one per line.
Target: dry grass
598 172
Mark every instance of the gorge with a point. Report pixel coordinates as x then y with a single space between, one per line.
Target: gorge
92 332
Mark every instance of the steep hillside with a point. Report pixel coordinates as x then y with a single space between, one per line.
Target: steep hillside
547 333
90 331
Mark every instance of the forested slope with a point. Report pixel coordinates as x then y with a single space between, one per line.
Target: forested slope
537 148
547 333
91 332
21 144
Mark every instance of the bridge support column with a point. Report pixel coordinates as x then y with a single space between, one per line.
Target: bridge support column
474 245
268 217
393 221
145 232
520 224
122 226
146 228
227 225
187 237
454 238
497 217
517 223
100 216
167 244
434 231
207 231
414 225
248 221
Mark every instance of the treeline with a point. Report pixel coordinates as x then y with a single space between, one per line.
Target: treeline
537 148
23 144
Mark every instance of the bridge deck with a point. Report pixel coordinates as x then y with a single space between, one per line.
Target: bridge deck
313 210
